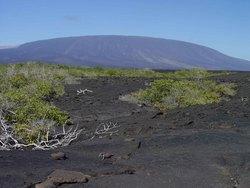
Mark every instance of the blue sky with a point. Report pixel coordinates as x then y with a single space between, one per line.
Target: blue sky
220 24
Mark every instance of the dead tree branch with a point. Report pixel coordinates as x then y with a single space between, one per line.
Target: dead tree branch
9 141
106 129
83 91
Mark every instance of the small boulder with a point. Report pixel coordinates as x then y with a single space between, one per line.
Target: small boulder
106 155
66 176
129 139
59 177
58 156
46 184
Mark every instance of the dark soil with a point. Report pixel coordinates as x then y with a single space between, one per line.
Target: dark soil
201 146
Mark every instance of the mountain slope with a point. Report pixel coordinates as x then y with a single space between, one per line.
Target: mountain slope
123 51
7 47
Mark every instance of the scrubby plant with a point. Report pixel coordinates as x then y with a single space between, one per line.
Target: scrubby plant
196 74
18 80
168 93
26 92
30 134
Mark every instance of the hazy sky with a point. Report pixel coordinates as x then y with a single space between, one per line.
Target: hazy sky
220 24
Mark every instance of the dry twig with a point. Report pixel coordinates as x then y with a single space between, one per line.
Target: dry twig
105 129
83 91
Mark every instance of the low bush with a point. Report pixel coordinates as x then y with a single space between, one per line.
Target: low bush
26 92
30 134
168 93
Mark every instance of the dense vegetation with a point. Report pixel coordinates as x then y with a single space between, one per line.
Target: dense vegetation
27 91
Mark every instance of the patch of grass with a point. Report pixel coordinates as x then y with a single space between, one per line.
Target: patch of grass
169 94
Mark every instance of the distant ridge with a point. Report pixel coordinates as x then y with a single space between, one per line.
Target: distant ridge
123 51
6 47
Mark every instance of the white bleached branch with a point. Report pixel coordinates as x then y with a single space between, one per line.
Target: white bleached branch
105 129
8 141
83 91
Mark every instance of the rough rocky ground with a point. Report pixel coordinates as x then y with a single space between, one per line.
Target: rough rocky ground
202 146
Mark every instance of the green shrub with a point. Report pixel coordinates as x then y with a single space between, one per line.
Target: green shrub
18 80
44 89
192 74
226 89
18 96
112 72
34 109
26 91
30 134
168 94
